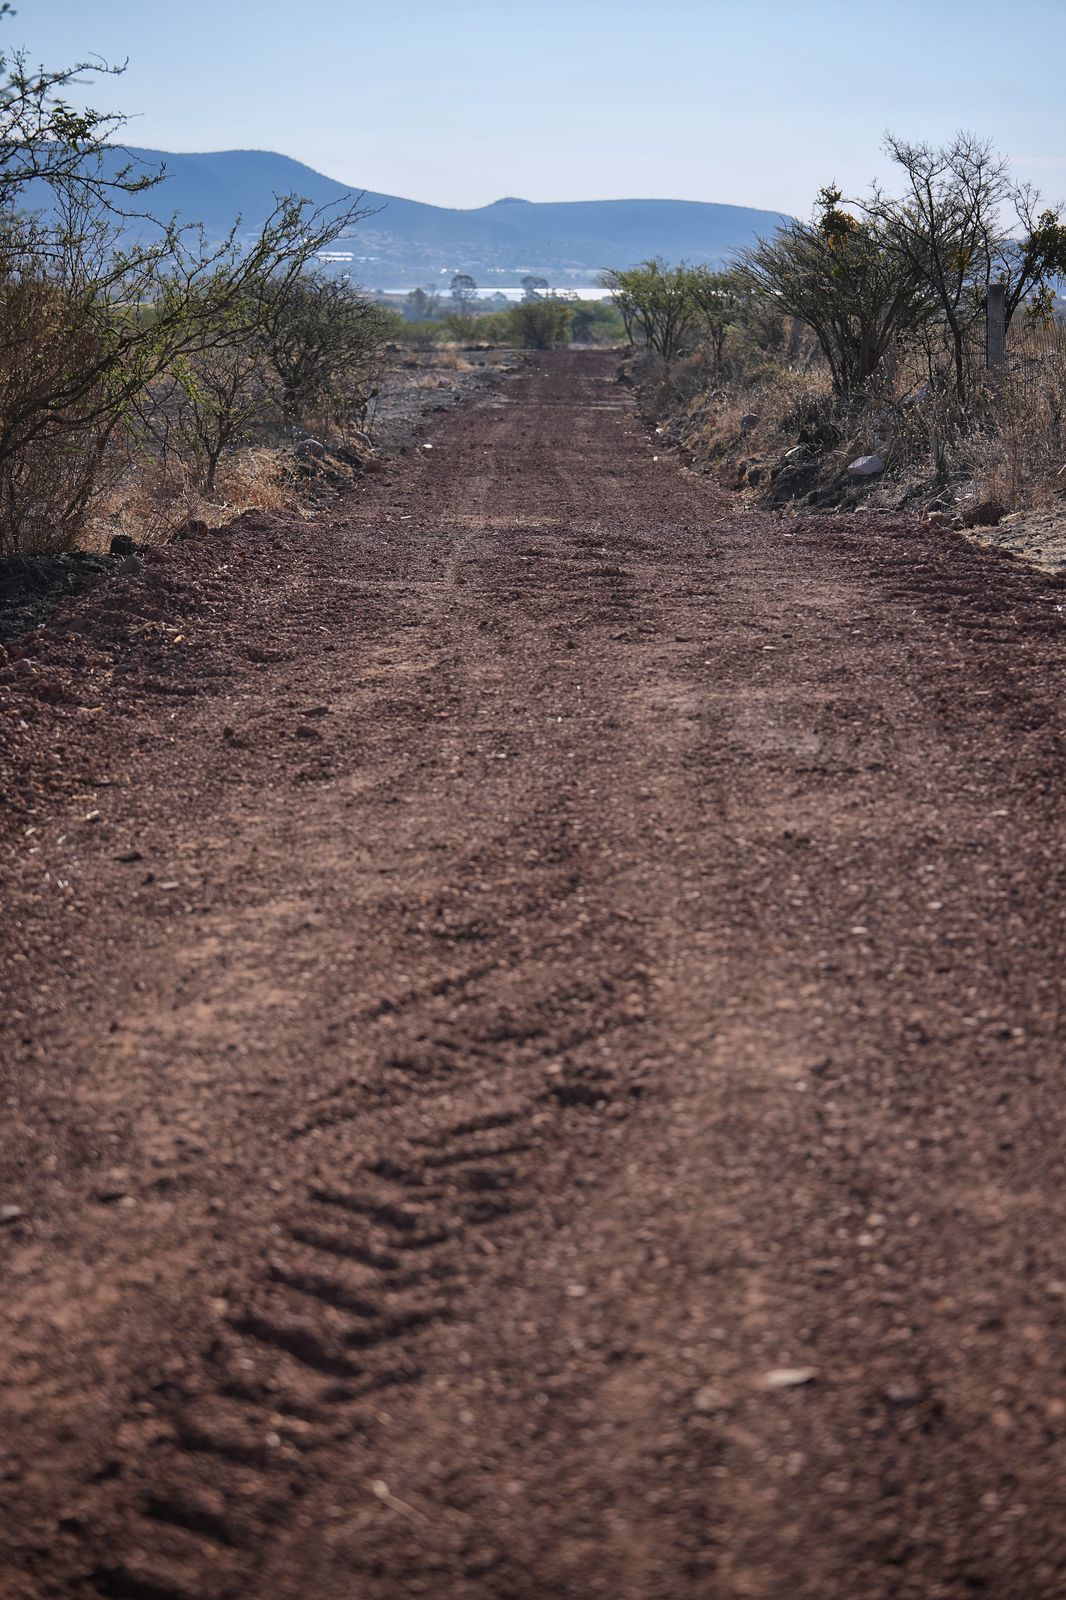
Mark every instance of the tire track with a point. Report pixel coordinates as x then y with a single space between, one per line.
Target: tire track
360 1277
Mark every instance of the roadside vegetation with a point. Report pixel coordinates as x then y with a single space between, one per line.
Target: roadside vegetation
150 383
544 319
899 348
141 381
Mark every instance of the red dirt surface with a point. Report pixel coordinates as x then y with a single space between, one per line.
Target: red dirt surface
533 1049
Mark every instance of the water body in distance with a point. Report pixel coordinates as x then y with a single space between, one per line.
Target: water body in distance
516 292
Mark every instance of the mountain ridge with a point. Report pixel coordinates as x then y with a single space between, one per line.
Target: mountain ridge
400 240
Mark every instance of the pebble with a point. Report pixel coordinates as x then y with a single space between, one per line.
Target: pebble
711 1399
10 1214
788 1377
902 1394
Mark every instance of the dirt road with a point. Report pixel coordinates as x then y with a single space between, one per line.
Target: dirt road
533 1049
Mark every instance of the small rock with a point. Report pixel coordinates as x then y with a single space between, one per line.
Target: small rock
866 466
788 1377
902 1394
748 421
310 450
711 1399
984 515
9 1214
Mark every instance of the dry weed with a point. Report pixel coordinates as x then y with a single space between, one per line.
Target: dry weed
451 359
157 497
258 479
1017 452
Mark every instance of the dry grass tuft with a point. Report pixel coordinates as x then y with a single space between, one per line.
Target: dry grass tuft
155 498
258 479
1017 452
450 358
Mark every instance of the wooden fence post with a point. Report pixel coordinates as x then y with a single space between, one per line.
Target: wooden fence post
996 328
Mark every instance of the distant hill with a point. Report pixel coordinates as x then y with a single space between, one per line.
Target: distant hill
406 242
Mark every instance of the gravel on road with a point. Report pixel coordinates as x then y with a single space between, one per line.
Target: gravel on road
532 1049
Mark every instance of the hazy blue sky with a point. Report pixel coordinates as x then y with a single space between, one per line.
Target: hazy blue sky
459 102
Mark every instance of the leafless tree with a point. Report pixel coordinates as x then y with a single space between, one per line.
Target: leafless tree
960 224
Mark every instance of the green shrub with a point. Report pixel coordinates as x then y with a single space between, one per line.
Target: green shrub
462 326
540 324
493 327
597 322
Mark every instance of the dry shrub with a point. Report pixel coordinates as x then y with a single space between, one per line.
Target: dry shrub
787 405
154 497
157 496
54 455
257 479
46 489
1016 452
1008 445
